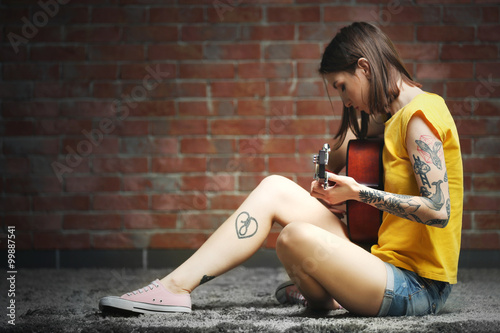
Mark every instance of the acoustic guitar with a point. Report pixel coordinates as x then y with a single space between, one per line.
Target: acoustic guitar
364 164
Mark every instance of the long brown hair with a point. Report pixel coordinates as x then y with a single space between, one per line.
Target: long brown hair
363 40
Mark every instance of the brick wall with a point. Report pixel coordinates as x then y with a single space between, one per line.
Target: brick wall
133 124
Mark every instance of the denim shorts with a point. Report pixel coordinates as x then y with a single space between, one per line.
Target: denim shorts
408 294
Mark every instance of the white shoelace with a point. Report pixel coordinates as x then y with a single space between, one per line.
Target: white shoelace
144 289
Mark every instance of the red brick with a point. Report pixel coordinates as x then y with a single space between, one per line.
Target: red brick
213 183
30 109
418 51
92 221
226 201
174 90
180 127
238 89
487 145
120 202
207 146
486 183
292 51
18 128
23 71
61 203
188 108
310 145
317 107
481 164
444 70
142 71
479 241
467 221
461 108
478 127
290 164
208 33
149 221
315 32
271 32
481 202
15 203
15 165
267 146
111 34
34 222
132 128
488 33
32 185
122 165
92 184
150 33
114 241
229 15
241 164
176 202
189 51
265 70
116 15
116 52
60 90
304 126
58 53
175 15
466 146
206 71
237 127
84 147
201 221
148 145
293 14
469 52
299 88
176 240
445 34
249 182
399 33
487 221
463 15
350 13
487 70
153 109
490 14
53 240
252 107
487 108
25 146
173 165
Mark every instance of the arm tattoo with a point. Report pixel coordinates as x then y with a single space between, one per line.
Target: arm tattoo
246 226
433 152
206 278
421 169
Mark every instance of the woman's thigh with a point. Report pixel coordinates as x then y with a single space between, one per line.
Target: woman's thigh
351 275
292 203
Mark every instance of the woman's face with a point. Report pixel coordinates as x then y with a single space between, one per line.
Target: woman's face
353 88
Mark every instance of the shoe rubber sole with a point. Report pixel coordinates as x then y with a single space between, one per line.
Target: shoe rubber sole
138 307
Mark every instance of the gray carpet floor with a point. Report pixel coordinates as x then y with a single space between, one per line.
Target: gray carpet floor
241 300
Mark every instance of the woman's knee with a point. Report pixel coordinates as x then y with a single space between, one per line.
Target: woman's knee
292 236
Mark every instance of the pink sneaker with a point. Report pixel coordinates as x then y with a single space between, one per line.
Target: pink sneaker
153 298
288 293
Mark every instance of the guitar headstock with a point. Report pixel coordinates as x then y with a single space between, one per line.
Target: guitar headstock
321 161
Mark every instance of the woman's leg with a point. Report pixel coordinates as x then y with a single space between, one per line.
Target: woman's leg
240 236
323 265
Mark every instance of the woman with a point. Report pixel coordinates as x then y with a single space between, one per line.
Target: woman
411 269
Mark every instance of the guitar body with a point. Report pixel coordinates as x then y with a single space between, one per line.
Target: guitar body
364 164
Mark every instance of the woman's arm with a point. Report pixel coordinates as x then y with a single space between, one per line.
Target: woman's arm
432 207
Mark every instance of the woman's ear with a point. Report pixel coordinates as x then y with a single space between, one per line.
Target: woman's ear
364 65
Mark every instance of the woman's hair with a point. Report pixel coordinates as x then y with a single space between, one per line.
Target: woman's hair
363 40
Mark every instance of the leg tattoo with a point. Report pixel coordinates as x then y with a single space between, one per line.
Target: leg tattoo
246 226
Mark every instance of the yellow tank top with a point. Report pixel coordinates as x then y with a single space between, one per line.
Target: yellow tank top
428 251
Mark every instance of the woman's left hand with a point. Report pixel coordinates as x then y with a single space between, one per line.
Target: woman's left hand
345 188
